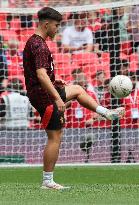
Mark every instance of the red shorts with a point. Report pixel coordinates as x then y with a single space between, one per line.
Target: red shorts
51 118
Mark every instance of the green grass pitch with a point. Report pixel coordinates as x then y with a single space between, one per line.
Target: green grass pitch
95 185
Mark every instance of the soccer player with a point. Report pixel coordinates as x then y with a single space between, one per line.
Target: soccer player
48 95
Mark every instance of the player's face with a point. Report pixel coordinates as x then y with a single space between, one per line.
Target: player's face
52 28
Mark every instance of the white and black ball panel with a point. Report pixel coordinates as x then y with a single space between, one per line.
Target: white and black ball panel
120 86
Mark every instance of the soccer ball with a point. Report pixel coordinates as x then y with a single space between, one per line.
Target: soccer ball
120 86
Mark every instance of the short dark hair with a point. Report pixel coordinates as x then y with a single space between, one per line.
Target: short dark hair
49 13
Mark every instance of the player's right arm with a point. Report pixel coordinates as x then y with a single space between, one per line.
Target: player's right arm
48 86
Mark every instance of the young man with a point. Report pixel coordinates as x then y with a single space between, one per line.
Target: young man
47 95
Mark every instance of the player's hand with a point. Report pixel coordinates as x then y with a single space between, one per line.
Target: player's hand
60 104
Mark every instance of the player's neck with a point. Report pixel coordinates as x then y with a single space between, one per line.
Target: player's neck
40 33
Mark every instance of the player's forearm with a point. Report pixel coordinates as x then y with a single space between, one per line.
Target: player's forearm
48 86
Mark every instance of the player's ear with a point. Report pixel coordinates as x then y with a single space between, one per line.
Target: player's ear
46 23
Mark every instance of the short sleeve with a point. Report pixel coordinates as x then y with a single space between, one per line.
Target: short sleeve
40 55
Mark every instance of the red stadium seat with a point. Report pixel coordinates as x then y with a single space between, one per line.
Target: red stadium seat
105 62
105 57
15 24
90 69
52 46
3 22
85 58
134 59
15 64
92 65
62 58
124 56
126 47
8 34
64 71
21 46
3 25
24 34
